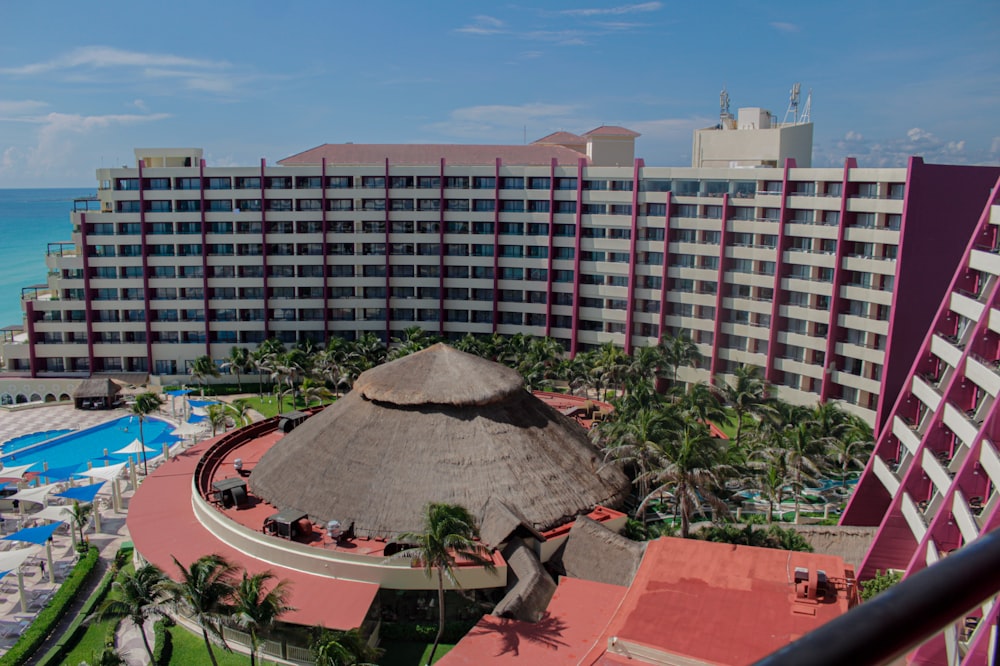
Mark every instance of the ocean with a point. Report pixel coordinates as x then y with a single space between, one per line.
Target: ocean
29 221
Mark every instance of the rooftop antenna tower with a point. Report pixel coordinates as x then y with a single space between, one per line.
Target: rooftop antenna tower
793 105
725 117
807 109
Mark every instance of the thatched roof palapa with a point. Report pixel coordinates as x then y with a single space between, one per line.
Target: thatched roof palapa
593 552
439 425
97 388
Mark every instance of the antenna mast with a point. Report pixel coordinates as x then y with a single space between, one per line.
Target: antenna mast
793 105
725 117
807 109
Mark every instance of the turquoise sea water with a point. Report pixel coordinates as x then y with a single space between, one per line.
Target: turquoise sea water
29 220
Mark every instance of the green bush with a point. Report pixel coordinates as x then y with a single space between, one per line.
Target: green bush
424 632
163 646
880 583
47 619
745 535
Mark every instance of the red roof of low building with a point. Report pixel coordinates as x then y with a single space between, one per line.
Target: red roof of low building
611 130
574 620
719 603
562 138
163 526
428 153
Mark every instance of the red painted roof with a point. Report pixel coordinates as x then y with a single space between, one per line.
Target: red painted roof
562 138
611 130
162 525
575 619
717 602
422 153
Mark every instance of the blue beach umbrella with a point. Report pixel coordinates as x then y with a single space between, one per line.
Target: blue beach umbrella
178 392
59 474
82 493
195 418
203 403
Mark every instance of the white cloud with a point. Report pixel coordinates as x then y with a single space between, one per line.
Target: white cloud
785 27
102 57
499 122
484 25
140 104
21 106
896 151
621 9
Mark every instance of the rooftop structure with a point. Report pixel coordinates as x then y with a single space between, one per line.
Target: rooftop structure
691 602
931 485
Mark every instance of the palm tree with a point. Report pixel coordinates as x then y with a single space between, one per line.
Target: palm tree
747 395
448 534
239 361
676 351
636 440
240 410
106 657
144 405
689 465
847 453
202 591
79 515
413 339
137 596
202 368
804 458
217 417
256 609
341 648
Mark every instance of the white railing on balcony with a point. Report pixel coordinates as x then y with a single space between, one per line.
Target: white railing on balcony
926 393
905 434
914 518
945 350
960 424
966 522
937 474
885 475
983 375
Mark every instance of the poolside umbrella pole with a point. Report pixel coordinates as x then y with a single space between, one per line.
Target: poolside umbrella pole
48 556
20 590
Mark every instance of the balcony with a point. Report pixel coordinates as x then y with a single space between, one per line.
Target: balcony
914 517
964 517
886 475
932 464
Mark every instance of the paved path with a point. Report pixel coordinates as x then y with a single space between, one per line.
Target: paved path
56 417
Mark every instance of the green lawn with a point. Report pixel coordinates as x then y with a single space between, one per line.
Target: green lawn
189 649
92 641
268 406
410 654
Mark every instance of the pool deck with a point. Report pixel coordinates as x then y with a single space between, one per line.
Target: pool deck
57 417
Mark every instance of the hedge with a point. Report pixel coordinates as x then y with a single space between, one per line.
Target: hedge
163 646
49 617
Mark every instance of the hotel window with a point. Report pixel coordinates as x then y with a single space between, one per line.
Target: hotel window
428 249
510 251
537 274
538 206
867 190
157 184
373 292
308 204
482 294
340 271
484 183
373 227
566 207
218 184
428 182
401 182
340 249
864 220
373 204
373 182
893 221
713 212
401 227
536 252
456 182
772 214
457 205
595 209
429 204
456 294
538 183
452 227
460 250
482 228
337 182
341 292
373 248
281 271
308 227
512 206
486 273
483 205
651 258
687 210
339 204
709 262
128 207
277 204
741 213
767 267
251 205
458 272
512 183
428 292
279 182
401 249
187 183
244 271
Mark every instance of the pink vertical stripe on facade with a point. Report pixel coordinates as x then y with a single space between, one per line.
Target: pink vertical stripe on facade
833 329
88 311
263 247
719 289
777 293
29 325
144 251
665 280
633 238
573 343
550 245
204 258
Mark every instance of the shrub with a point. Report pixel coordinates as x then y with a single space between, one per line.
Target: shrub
772 537
35 635
880 583
423 632
162 641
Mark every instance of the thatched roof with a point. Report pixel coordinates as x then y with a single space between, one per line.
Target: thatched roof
439 375
96 388
533 588
593 552
467 435
499 521
849 543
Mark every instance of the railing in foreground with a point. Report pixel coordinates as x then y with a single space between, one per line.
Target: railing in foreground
904 616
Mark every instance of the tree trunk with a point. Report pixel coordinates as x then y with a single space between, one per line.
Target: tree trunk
440 633
253 648
208 646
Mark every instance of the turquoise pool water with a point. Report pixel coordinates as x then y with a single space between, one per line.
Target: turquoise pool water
17 443
74 450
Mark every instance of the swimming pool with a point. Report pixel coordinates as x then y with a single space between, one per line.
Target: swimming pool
15 444
75 449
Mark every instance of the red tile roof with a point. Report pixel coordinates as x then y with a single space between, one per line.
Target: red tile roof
574 620
162 524
722 604
562 138
421 154
611 130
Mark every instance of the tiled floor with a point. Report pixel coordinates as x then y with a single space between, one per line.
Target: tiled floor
58 417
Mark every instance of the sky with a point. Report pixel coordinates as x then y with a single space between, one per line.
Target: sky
83 84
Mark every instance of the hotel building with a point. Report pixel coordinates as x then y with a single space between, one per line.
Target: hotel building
795 270
931 486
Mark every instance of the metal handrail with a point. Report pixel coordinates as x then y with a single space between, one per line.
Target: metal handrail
904 616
